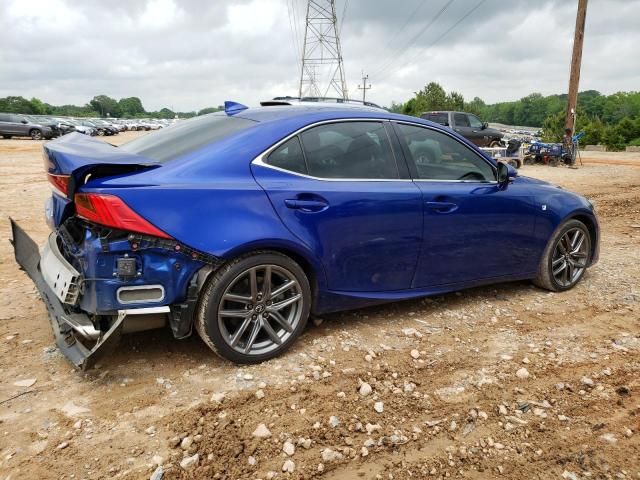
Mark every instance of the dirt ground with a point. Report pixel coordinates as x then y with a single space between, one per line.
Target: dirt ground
506 381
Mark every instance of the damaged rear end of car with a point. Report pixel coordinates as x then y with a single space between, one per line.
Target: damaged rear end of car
106 270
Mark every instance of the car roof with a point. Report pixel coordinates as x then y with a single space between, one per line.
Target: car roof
309 113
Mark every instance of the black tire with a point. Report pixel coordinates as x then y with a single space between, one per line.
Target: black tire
545 278
7 137
514 162
529 160
35 134
207 320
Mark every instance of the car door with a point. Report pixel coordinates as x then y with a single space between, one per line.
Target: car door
338 187
477 133
473 230
20 125
462 126
5 125
10 125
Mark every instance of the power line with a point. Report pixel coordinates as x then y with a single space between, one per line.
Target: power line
395 57
446 32
294 43
421 4
296 21
344 14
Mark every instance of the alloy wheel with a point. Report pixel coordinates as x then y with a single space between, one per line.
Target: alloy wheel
570 257
260 309
36 135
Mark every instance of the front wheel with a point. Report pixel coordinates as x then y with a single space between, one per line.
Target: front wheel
254 308
566 257
35 134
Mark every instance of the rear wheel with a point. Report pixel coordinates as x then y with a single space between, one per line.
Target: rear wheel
514 162
254 308
35 134
6 137
566 257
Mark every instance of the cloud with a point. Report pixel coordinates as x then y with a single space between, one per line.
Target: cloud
189 54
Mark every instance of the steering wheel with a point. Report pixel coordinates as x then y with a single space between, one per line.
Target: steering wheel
472 176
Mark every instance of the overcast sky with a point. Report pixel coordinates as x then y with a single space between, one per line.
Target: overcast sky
189 54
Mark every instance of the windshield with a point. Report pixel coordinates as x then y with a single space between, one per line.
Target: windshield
187 136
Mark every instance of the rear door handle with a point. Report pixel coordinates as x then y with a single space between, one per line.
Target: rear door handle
442 207
306 205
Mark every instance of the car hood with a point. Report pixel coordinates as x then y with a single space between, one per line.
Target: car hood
535 181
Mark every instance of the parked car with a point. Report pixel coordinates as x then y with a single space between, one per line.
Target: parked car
80 127
64 125
14 125
469 126
58 127
240 224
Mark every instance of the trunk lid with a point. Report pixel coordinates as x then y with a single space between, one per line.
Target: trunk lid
78 156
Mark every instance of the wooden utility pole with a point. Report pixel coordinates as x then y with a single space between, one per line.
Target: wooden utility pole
576 60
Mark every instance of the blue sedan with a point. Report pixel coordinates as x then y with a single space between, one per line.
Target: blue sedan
243 223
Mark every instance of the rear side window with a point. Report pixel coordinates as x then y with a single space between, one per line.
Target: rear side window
288 156
356 150
461 120
441 118
4 117
186 136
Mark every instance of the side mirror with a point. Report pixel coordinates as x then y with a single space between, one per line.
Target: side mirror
505 174
24 121
485 125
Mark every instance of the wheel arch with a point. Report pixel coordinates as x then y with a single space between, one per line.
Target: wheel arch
311 266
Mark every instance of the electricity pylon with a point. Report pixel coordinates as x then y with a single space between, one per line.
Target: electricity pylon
321 55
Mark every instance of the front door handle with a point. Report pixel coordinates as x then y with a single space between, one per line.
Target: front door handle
442 207
306 205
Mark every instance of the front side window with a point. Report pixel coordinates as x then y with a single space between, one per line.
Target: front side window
357 150
288 156
437 156
474 121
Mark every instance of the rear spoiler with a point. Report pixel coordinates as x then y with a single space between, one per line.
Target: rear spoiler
78 155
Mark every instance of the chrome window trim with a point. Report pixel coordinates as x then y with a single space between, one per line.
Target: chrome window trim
259 160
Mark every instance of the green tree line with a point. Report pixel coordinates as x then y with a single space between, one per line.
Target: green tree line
611 120
99 106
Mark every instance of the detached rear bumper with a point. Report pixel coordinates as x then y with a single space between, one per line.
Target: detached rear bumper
66 325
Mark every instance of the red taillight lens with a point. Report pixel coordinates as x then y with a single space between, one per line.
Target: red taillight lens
60 183
111 211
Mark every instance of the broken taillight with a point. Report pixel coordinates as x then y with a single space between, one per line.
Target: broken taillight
60 183
111 211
